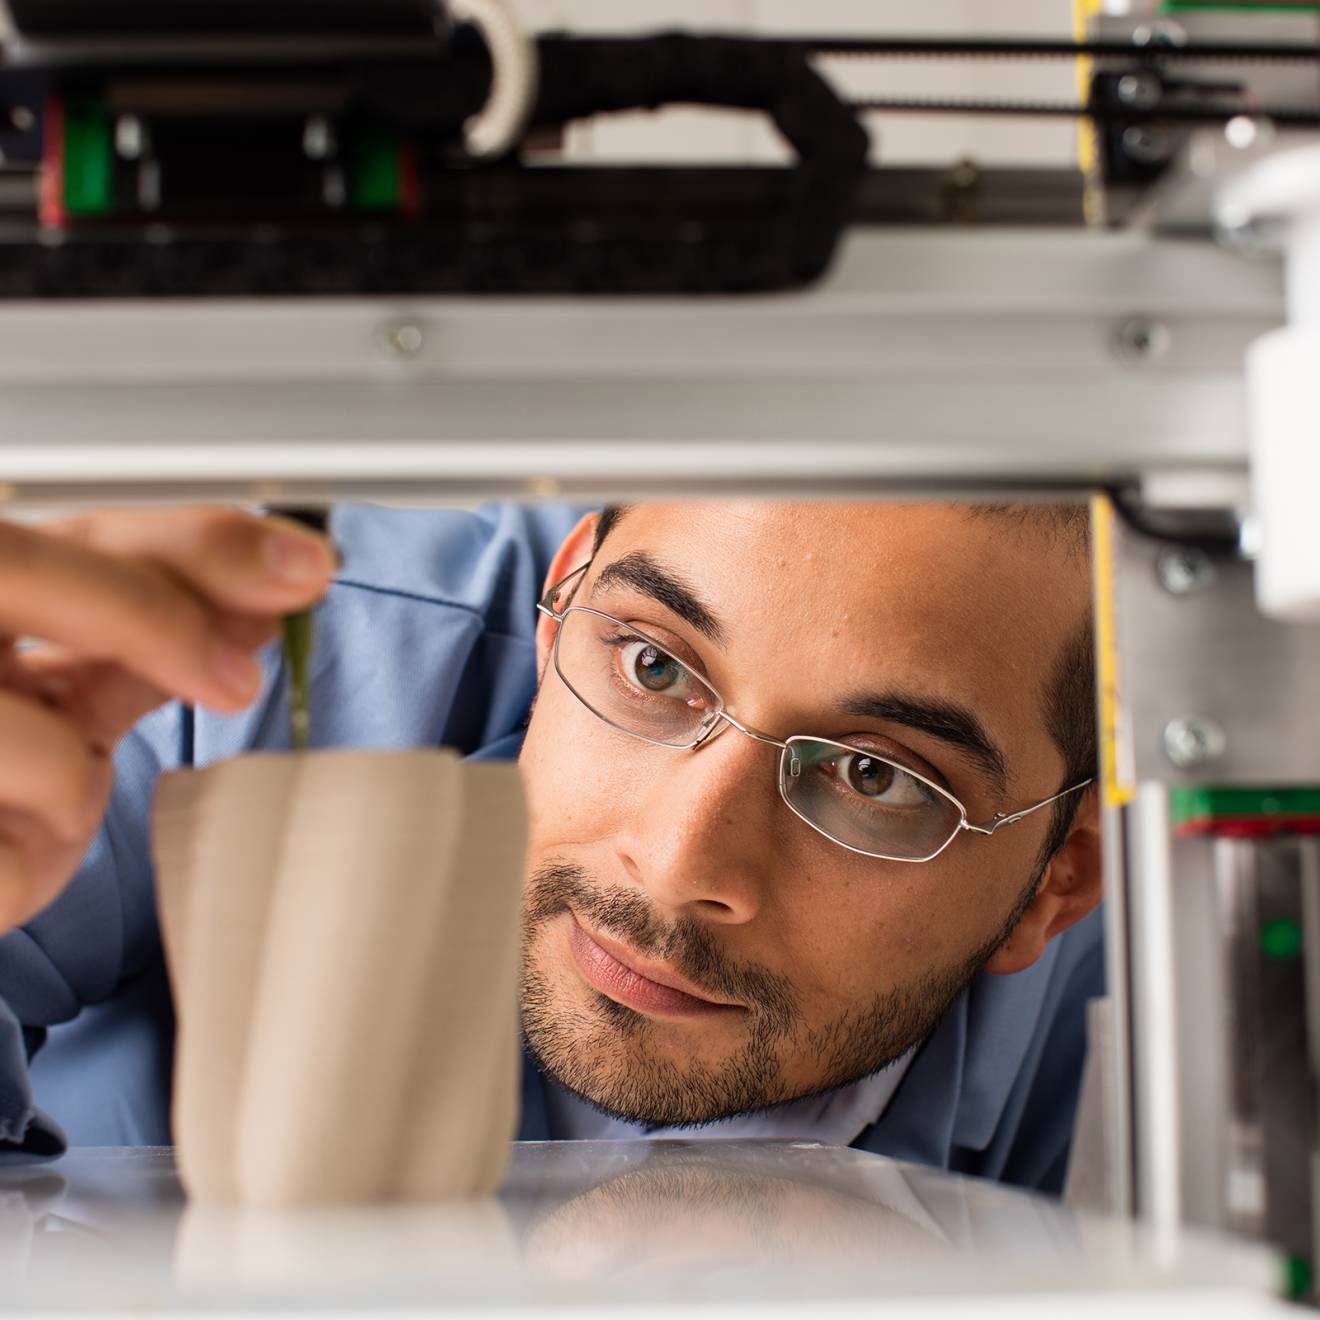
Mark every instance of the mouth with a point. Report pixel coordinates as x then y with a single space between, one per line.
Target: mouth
619 975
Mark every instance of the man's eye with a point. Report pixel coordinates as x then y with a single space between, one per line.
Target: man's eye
646 666
880 782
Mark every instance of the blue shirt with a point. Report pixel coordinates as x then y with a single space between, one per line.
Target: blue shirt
427 638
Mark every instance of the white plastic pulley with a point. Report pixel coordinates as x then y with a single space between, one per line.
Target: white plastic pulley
1283 384
514 75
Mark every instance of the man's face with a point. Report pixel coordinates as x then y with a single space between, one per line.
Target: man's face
693 948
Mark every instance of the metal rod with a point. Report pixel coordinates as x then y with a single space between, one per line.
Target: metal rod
1118 1074
1154 1012
1286 115
1032 48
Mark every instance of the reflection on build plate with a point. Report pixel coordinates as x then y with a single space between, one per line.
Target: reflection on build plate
580 1221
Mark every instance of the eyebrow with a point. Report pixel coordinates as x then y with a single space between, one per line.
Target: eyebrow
946 720
640 572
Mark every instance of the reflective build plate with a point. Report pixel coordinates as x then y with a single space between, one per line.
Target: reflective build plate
786 1225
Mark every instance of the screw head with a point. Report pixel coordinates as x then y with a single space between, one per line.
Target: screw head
1162 32
1183 570
1144 145
1141 339
130 137
404 339
1139 90
965 174
22 119
1193 740
318 138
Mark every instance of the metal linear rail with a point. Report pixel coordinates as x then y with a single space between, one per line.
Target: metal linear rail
1027 48
1282 116
938 359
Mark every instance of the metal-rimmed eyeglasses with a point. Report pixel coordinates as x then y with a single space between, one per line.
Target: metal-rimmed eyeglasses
856 797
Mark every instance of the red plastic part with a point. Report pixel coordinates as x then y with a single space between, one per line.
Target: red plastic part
410 183
50 190
1247 827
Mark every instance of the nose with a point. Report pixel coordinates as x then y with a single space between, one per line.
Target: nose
700 839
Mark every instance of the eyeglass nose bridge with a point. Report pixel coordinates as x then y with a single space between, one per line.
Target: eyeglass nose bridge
722 716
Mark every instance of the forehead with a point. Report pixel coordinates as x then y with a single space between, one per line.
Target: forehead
931 599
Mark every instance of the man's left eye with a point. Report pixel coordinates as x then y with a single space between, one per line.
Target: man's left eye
653 670
868 775
881 782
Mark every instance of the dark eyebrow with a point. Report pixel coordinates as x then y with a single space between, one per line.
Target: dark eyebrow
642 573
945 720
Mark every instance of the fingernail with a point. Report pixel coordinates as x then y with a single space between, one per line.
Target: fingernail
295 559
236 671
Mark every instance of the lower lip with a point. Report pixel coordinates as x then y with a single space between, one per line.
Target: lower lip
608 975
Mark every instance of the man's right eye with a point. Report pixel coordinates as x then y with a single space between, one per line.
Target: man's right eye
647 667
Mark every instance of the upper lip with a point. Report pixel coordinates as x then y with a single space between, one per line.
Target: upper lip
660 975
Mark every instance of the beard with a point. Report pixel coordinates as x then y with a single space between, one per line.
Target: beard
612 1057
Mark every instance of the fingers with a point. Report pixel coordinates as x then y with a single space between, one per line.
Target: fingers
235 560
138 613
47 770
101 699
109 609
132 609
248 632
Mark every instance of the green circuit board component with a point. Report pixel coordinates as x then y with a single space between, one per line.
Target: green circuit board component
89 157
1240 7
1245 812
375 174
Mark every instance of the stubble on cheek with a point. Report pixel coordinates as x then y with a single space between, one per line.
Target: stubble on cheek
624 1062
677 1074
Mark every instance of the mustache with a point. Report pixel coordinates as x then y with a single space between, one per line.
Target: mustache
686 944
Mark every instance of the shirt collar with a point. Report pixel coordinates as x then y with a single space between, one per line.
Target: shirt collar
837 1118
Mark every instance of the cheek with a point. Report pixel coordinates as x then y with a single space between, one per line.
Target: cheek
882 926
575 773
844 929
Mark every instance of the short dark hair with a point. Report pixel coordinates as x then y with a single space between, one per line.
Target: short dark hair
1070 717
609 516
1070 691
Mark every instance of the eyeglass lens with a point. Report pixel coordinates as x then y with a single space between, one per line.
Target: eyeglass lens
631 682
861 800
866 801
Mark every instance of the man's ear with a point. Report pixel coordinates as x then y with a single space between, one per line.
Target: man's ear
573 553
1070 888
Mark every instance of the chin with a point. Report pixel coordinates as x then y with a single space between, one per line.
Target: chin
628 1064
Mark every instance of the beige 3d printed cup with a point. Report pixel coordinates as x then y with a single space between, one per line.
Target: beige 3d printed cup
341 931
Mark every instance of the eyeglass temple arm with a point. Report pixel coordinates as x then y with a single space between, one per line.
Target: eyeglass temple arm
547 602
996 822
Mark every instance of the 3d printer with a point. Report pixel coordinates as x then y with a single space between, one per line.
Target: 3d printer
248 250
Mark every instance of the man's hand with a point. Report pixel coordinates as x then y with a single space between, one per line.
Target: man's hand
130 609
